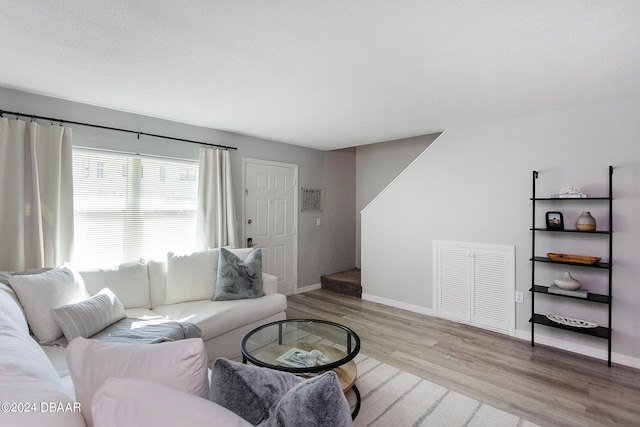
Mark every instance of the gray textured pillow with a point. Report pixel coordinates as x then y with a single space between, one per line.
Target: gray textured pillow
267 397
318 401
85 318
238 279
250 391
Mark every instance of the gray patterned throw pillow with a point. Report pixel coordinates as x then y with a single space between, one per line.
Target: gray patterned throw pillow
238 279
250 391
85 318
270 398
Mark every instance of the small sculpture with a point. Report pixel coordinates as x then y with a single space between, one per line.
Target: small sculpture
571 192
312 358
566 281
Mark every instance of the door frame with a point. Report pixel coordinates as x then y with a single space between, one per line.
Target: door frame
294 167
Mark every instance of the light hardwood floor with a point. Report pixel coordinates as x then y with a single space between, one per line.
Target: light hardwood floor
544 385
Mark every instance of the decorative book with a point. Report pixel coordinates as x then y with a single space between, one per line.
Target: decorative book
296 358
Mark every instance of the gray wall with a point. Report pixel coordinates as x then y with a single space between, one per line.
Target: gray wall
475 183
378 164
328 248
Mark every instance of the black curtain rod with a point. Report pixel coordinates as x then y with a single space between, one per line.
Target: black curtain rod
61 121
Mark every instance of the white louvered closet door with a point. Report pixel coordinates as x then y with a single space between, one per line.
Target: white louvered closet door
455 283
475 283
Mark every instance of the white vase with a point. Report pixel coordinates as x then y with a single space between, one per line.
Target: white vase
567 282
586 222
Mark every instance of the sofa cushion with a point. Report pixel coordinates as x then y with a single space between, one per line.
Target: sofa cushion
6 275
180 364
9 302
131 402
10 306
22 356
47 405
157 271
141 313
129 281
267 397
238 279
40 292
85 318
215 318
191 277
241 253
57 355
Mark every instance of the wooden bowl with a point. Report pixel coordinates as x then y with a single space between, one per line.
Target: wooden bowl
577 259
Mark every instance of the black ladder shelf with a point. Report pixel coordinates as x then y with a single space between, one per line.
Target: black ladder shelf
541 319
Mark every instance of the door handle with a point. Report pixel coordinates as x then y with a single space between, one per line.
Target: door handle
249 242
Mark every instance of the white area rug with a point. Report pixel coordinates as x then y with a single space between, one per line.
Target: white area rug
392 397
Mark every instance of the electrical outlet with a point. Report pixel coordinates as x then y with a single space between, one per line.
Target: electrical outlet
519 297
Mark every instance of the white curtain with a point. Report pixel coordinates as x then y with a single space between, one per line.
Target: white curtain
216 217
36 192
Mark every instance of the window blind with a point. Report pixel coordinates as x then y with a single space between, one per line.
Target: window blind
130 206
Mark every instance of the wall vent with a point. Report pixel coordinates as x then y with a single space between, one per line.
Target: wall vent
474 284
311 199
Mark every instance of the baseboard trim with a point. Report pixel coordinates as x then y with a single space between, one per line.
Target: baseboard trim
618 358
398 304
308 288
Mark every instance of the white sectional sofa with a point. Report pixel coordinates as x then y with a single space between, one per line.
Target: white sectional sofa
142 288
33 373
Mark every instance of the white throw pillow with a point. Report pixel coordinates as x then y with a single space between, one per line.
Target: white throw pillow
46 404
130 402
40 292
157 282
129 281
180 364
191 277
22 356
85 318
10 305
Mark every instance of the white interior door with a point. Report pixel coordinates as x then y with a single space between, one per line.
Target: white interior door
270 218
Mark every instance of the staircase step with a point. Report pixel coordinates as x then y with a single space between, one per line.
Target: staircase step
344 282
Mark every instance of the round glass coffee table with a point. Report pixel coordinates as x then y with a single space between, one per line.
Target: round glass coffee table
306 347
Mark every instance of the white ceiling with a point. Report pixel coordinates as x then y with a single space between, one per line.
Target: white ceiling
327 73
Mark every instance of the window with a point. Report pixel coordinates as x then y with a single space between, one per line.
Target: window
188 174
121 217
